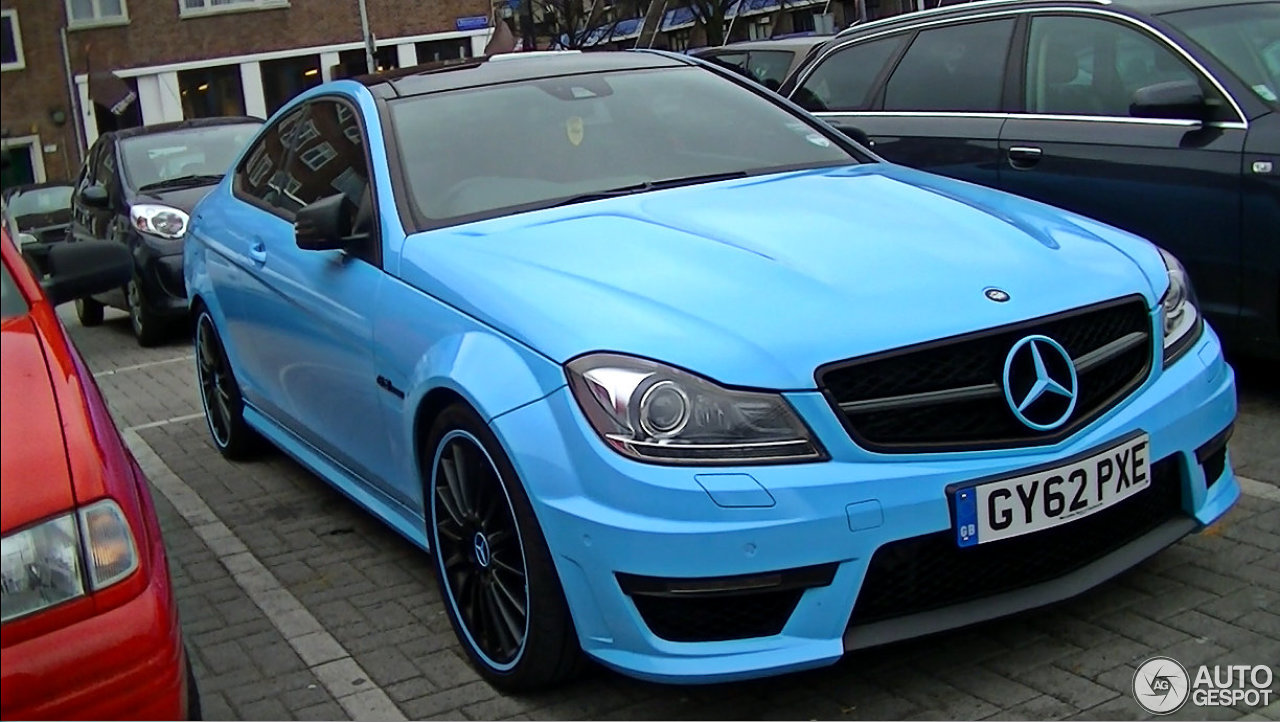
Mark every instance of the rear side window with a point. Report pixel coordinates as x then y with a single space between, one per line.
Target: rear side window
959 68
260 176
769 67
843 81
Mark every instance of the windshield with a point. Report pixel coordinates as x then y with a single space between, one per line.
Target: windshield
202 153
1246 38
39 201
471 153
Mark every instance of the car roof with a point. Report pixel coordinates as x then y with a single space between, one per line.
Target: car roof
511 67
180 125
961 9
791 43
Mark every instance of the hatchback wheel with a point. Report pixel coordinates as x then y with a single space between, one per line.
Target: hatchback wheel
220 394
148 328
492 563
89 312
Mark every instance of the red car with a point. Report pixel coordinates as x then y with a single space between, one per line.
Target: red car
90 623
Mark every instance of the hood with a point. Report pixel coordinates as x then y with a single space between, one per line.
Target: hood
184 199
757 282
33 457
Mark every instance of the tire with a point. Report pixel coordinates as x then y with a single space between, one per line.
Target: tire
194 711
220 394
148 328
89 312
483 534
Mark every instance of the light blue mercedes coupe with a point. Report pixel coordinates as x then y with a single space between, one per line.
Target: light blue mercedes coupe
667 374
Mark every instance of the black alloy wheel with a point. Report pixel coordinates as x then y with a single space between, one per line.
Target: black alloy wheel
220 394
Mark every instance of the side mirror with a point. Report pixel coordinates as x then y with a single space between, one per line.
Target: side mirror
1174 100
325 225
86 268
95 197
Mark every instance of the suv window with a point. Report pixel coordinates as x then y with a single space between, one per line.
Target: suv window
959 68
843 81
1088 66
260 176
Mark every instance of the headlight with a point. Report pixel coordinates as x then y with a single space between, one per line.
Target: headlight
62 558
652 412
1178 311
160 221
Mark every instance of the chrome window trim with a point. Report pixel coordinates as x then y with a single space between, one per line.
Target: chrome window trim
1224 124
1242 122
938 10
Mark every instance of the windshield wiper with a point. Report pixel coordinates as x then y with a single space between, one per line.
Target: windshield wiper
649 186
181 181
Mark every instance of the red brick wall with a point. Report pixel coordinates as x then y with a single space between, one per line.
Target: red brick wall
156 35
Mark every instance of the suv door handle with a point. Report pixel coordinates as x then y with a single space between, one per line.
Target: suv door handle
258 251
1024 156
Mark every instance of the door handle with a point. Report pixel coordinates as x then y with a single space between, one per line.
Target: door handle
1024 156
258 251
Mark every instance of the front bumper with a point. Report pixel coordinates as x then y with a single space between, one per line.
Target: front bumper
605 516
159 265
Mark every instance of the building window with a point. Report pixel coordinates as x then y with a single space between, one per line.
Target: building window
87 13
284 78
430 51
188 8
760 29
317 155
12 42
678 40
211 92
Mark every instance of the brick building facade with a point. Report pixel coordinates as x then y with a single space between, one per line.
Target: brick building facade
195 58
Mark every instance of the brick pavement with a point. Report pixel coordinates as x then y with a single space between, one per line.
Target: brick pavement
1212 598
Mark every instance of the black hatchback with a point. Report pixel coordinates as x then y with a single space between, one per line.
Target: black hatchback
137 187
1160 117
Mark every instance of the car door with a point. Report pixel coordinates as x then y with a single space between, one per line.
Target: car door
941 106
308 317
1077 145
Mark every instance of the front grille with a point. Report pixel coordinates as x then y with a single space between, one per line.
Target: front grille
714 609
929 572
717 618
948 395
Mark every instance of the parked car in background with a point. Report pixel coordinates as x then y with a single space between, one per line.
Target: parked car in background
768 62
707 395
1156 116
41 210
89 623
137 188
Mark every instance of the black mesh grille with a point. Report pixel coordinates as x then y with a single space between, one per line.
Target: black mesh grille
716 618
978 360
928 572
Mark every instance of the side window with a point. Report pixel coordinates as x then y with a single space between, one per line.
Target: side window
260 175
1086 66
959 68
330 159
769 67
843 81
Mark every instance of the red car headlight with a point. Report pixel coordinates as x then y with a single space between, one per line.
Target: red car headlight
61 559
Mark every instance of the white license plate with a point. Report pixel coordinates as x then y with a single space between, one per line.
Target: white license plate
993 510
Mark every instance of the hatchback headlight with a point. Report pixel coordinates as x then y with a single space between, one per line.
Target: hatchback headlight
62 558
653 412
1179 311
161 221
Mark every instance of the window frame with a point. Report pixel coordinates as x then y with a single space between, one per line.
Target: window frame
374 255
241 6
97 21
1157 31
20 61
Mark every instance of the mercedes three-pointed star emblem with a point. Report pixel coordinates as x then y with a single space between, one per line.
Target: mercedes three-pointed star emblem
1061 382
